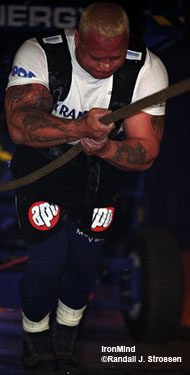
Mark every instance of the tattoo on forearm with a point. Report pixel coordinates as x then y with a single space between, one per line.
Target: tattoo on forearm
157 124
47 140
35 119
130 154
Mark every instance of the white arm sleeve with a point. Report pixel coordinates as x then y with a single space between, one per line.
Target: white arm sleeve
29 65
152 77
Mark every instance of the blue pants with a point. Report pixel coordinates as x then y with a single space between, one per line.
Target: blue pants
62 267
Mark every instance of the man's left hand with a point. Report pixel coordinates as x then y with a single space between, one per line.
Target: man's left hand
93 146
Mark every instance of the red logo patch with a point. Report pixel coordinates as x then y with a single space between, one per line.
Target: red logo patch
102 218
43 216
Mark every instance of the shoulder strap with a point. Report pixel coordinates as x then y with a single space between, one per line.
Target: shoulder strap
59 63
125 78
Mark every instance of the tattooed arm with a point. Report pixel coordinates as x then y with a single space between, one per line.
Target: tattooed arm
28 108
141 147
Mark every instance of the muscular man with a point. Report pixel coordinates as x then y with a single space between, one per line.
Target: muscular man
60 87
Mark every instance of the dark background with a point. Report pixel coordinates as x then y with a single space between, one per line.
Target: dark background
159 196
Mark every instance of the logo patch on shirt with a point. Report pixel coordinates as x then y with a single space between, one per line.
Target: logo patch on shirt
102 218
21 72
134 55
43 216
53 39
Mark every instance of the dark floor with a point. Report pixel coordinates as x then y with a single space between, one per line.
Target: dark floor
99 328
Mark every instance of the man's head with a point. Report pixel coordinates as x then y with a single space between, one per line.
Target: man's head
102 39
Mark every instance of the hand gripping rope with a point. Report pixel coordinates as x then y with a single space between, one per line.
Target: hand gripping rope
126 111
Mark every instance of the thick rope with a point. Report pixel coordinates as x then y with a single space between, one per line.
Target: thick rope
127 111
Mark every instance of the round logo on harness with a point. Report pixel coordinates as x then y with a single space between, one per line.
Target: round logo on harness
102 218
44 216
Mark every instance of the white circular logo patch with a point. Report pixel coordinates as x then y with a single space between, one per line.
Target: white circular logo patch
44 216
102 218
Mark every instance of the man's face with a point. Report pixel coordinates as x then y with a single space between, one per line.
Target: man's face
98 56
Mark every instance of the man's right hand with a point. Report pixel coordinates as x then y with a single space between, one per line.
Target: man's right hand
91 127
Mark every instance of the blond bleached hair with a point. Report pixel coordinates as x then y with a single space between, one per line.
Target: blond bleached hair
108 19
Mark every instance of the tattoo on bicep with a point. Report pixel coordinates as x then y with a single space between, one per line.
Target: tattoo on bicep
132 155
157 123
17 94
35 95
